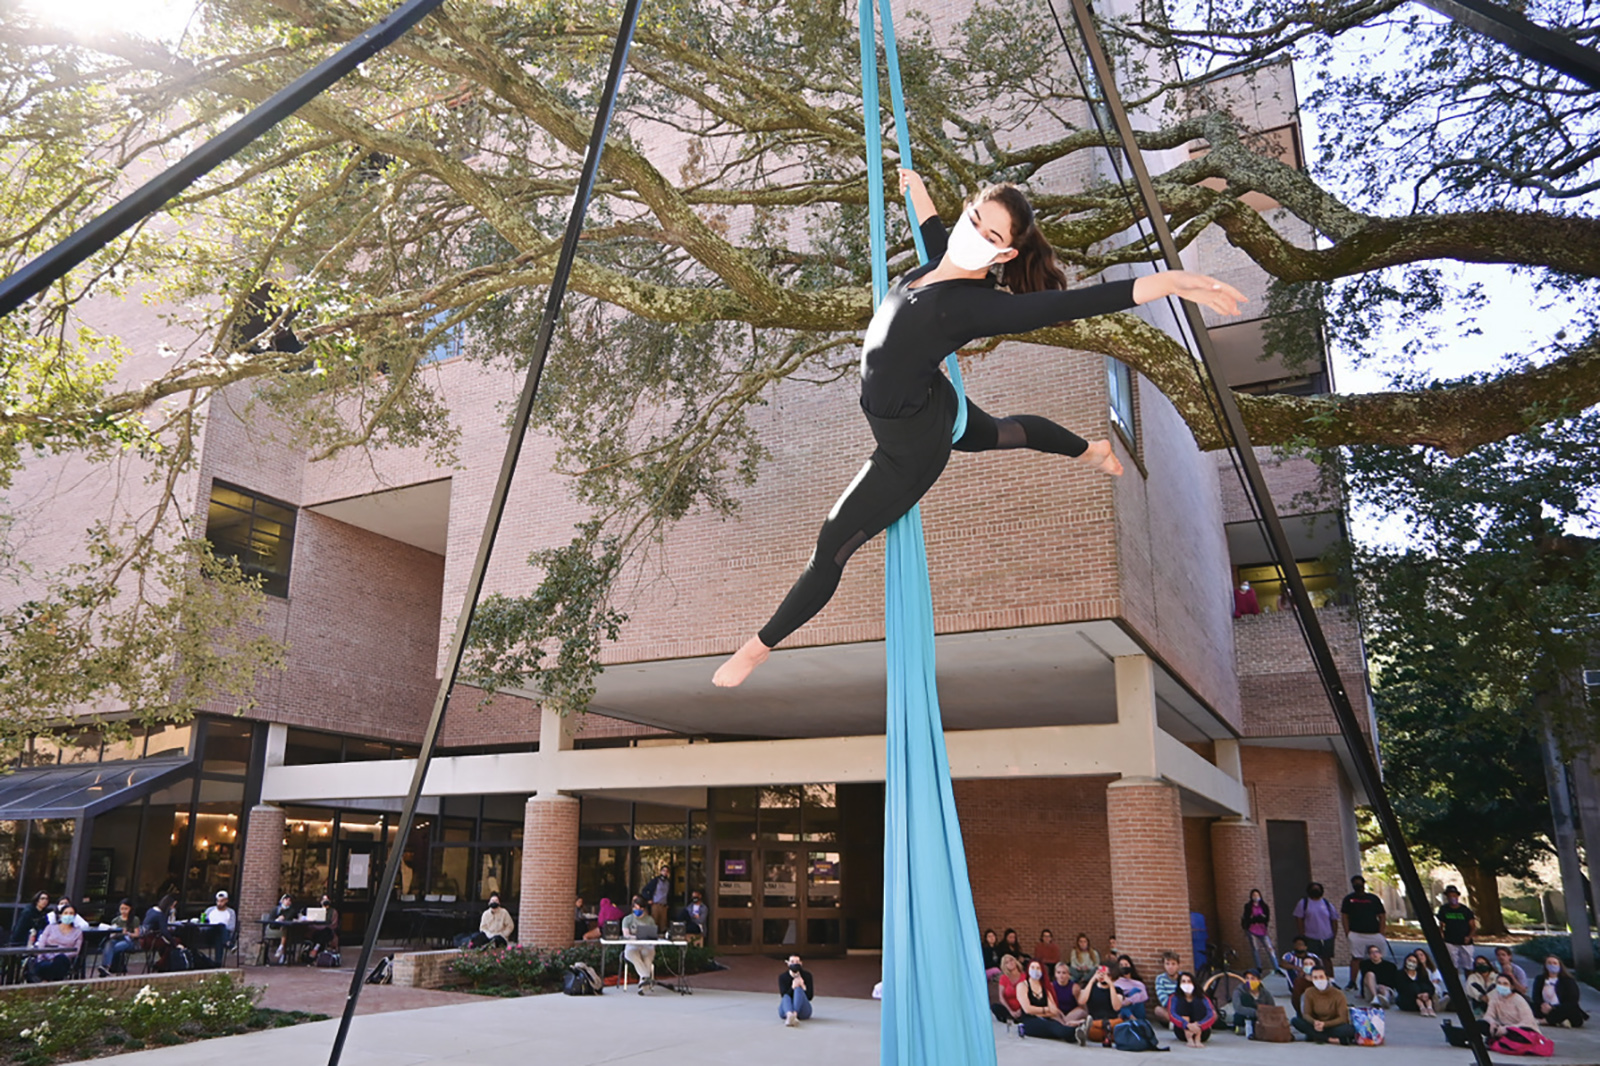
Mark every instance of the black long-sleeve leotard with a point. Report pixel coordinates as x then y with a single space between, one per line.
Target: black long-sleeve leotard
914 329
912 408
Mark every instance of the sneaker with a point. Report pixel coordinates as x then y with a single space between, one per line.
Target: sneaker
1082 1034
101 971
1022 1034
792 1020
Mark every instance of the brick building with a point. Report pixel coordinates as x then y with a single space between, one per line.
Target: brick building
1127 751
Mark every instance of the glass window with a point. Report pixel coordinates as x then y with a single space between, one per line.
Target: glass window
446 342
1272 592
11 833
366 750
1120 383
45 865
256 531
605 819
121 747
168 740
303 747
603 874
213 854
227 746
308 853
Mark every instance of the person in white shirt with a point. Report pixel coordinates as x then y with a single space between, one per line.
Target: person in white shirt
54 914
496 925
225 922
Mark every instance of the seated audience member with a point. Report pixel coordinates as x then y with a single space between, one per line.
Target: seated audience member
696 918
1250 995
1555 996
60 943
54 914
608 912
1298 963
1111 951
1503 964
1480 983
1041 1015
324 935
1379 978
1414 990
1011 944
1441 994
1166 987
1066 993
1191 1011
1083 959
796 990
580 924
222 928
638 926
123 938
1134 993
153 930
991 953
1324 1013
1008 1009
1506 1008
496 924
31 921
274 933
1101 1001
1047 950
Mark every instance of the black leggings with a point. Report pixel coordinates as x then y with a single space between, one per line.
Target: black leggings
911 454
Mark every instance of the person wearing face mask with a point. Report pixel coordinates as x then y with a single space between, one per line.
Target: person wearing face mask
1256 923
1042 1016
1315 919
324 935
1414 988
796 989
1555 996
59 945
911 407
1457 924
496 925
1505 1008
638 926
1325 1013
1101 1001
1298 964
1134 993
1250 995
1191 1011
1480 983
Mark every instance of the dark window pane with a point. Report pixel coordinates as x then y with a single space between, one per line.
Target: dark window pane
227 746
302 747
258 532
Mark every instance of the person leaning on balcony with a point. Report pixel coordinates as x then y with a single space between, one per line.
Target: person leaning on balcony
1324 1012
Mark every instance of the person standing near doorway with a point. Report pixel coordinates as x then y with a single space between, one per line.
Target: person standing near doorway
656 893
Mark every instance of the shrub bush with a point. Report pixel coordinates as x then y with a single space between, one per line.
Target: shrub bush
526 969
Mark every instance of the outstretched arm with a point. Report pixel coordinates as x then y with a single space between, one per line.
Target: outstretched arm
921 202
1196 288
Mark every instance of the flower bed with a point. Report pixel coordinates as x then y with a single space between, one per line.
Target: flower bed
78 1022
518 970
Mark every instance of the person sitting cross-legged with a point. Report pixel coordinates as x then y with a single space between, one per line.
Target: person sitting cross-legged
1555 996
1191 1011
1166 985
1101 1001
796 990
1041 1015
1135 995
1506 1008
1247 998
1415 991
1066 993
1324 1012
1008 1010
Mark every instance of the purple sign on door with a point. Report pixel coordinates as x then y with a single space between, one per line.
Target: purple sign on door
735 868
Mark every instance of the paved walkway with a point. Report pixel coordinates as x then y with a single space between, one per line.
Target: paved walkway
318 991
724 1028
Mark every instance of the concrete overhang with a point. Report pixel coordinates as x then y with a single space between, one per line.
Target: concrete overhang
996 679
418 515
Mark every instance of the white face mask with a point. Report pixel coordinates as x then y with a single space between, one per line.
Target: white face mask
1320 983
967 248
1036 973
1552 967
1504 990
1187 987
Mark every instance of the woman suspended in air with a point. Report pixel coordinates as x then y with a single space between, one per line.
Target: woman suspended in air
932 311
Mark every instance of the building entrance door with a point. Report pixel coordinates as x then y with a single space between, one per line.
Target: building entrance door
778 899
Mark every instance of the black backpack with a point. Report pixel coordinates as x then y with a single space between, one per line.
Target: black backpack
581 980
1135 1034
179 960
382 974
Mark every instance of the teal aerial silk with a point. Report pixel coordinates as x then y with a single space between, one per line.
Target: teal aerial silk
935 994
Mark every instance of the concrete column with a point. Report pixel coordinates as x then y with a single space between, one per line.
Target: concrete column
1149 875
260 873
549 871
1136 714
1239 859
1228 759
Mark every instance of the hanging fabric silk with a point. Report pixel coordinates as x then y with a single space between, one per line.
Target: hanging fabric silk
935 994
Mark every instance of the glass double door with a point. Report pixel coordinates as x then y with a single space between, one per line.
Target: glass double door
777 899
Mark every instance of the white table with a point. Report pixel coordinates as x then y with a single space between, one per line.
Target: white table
680 983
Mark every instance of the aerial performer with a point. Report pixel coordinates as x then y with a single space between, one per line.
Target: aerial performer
938 308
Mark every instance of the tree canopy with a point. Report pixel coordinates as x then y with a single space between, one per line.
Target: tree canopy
725 253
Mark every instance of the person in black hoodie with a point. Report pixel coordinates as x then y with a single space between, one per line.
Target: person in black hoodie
1256 922
1555 996
796 990
31 921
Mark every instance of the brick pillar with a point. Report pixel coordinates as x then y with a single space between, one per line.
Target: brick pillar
260 873
549 871
1239 859
1149 877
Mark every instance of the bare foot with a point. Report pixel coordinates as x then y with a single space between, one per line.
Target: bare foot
1101 457
740 663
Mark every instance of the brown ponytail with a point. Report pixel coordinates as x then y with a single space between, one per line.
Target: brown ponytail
1034 268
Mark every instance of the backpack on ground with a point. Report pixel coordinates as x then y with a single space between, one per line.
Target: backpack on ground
1520 1040
328 960
179 959
1369 1026
581 980
1135 1034
383 973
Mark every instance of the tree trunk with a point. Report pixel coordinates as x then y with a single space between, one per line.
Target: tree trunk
1483 894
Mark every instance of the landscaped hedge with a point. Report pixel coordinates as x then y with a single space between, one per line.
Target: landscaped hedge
518 969
77 1021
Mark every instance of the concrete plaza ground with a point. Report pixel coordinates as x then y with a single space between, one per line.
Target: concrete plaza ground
718 1027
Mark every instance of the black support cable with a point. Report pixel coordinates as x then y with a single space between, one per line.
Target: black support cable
1528 39
497 507
146 200
1316 641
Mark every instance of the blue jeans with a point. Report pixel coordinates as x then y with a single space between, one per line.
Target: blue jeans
1132 1010
799 1003
114 950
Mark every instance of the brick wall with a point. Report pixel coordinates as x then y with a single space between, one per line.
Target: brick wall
1279 688
549 871
1239 863
426 969
1202 871
261 872
1150 871
122 986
